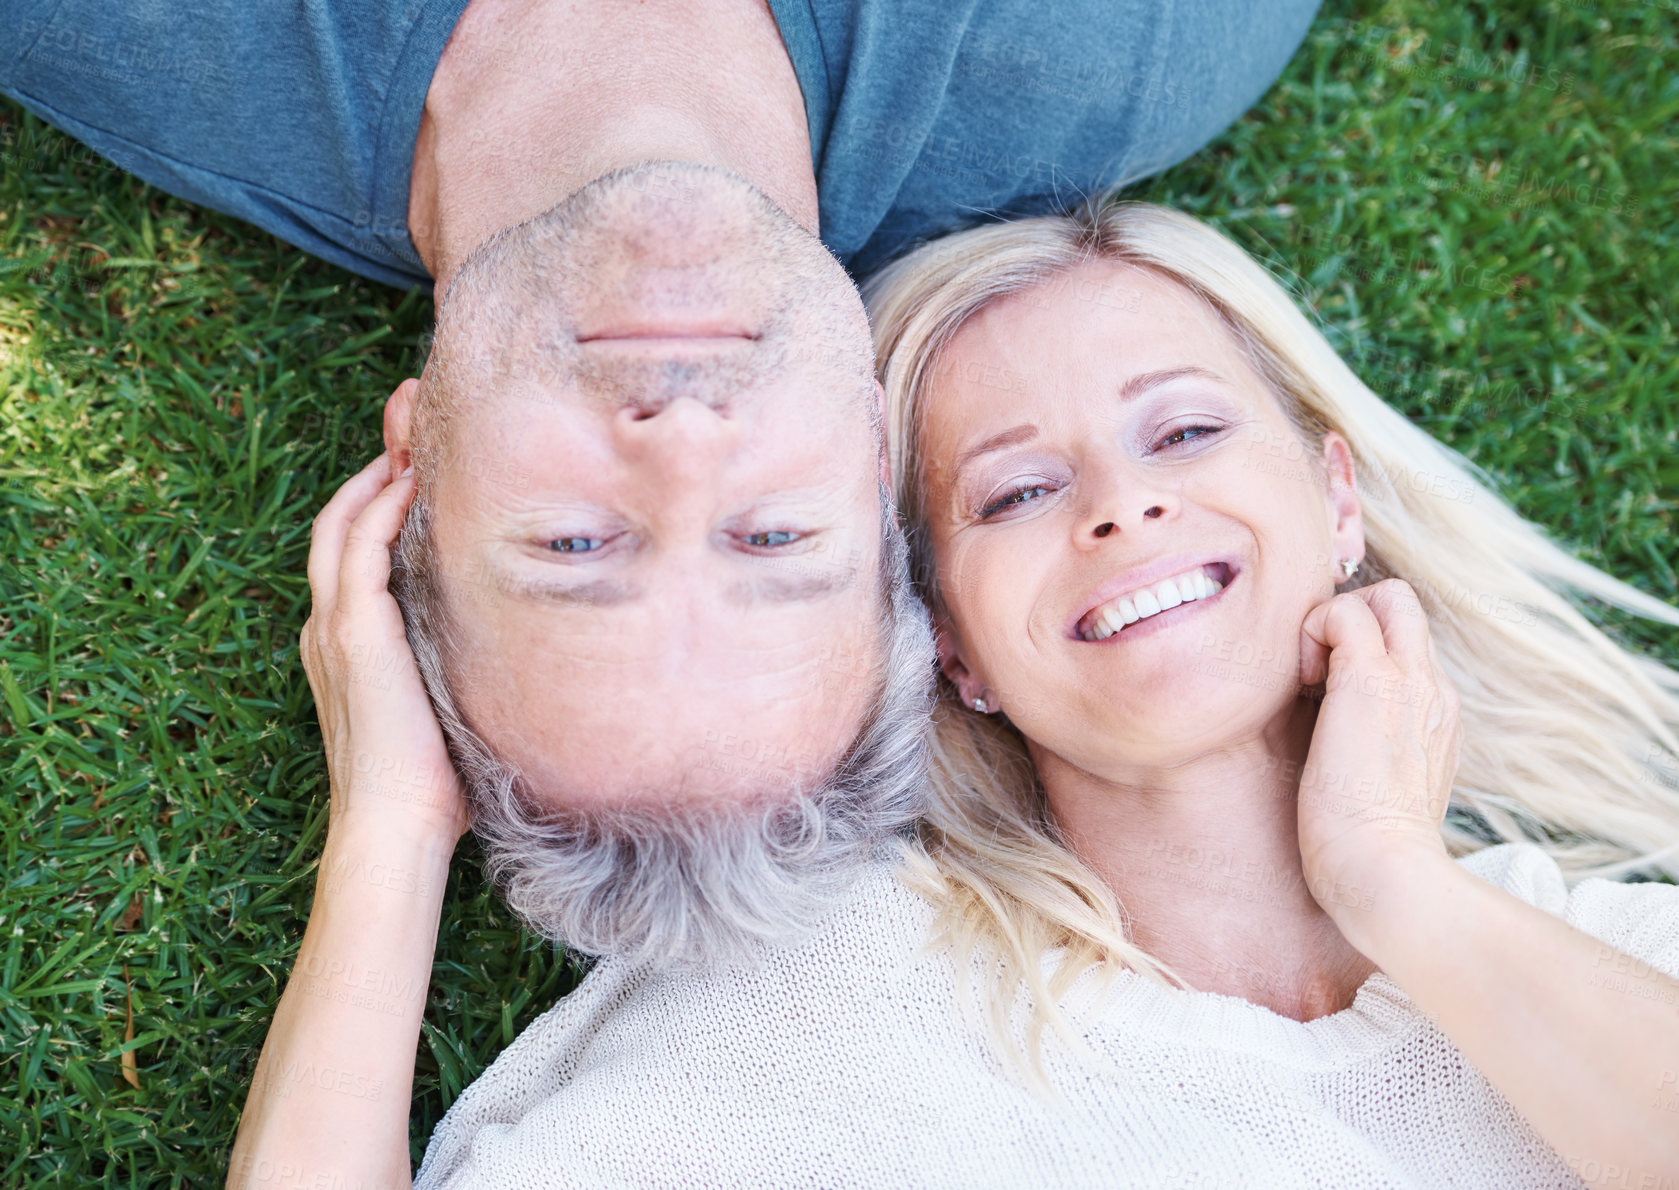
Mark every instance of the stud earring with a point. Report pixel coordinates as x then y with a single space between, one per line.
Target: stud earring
979 705
1349 567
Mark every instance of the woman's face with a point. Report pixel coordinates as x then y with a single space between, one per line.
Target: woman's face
1084 442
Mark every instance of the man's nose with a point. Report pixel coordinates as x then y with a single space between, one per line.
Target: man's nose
678 438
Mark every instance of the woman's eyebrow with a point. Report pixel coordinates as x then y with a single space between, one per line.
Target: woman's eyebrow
1024 432
1139 384
1134 387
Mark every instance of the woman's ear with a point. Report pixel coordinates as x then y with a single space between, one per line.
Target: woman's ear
399 410
1346 514
955 668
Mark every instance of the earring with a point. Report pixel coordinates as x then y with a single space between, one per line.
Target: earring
1349 567
979 705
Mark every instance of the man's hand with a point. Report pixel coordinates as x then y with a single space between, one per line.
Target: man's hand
385 753
353 1005
1384 752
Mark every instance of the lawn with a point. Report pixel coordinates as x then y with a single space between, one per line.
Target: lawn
1479 205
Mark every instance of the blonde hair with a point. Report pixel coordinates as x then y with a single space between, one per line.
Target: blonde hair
1569 739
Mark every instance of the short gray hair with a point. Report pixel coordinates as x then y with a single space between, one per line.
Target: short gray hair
672 884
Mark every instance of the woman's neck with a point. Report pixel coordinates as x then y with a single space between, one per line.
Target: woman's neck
531 101
1204 857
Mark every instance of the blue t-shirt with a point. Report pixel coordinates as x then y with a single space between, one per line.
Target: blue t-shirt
925 115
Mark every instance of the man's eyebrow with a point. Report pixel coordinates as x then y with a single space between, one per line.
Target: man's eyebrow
1133 388
806 581
596 593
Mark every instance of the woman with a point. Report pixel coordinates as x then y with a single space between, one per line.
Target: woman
842 1059
1222 637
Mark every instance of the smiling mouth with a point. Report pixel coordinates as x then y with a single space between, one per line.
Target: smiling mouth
1197 584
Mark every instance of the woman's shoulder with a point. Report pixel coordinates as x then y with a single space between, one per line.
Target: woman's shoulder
1636 920
707 1054
878 926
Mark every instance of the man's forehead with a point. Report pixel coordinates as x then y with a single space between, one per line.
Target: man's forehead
727 714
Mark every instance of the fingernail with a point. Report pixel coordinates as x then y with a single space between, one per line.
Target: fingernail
407 471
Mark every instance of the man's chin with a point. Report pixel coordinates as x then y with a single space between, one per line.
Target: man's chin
701 883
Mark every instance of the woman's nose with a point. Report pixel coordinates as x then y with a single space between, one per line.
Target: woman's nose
1124 504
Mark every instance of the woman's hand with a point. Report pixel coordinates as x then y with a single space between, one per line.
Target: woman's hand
385 752
1520 992
1384 752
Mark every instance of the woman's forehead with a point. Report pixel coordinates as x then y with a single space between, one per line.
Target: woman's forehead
1095 328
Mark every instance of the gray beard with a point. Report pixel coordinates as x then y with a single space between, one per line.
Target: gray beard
679 886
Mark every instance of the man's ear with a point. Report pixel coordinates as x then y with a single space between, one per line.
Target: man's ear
885 454
399 411
1346 514
967 684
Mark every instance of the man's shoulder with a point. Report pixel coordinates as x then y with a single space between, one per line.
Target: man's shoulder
929 115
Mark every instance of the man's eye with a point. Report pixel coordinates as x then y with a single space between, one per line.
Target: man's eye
574 545
770 539
1018 496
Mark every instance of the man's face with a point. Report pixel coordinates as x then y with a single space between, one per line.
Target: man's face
654 493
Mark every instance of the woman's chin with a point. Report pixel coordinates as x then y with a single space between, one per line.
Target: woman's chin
1173 714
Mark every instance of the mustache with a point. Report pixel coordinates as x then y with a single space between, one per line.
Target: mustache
718 380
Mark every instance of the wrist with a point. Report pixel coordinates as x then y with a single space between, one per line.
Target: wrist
413 798
1382 903
373 838
422 811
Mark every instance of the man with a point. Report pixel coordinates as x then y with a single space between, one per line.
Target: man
650 564
649 551
648 568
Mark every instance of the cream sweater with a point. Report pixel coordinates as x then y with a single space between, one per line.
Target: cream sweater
845 1062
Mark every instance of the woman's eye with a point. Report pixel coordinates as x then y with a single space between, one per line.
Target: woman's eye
770 539
1177 436
1018 496
575 545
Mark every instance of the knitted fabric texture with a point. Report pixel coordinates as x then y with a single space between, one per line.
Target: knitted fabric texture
845 1061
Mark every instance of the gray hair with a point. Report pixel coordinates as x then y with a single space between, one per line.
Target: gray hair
669 884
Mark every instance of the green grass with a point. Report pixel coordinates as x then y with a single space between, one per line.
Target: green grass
1487 229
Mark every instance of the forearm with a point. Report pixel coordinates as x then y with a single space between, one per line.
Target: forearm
330 1098
1540 1009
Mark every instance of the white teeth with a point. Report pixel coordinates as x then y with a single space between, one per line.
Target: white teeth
1140 605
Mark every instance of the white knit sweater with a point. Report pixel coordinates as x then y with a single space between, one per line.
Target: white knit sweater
845 1062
